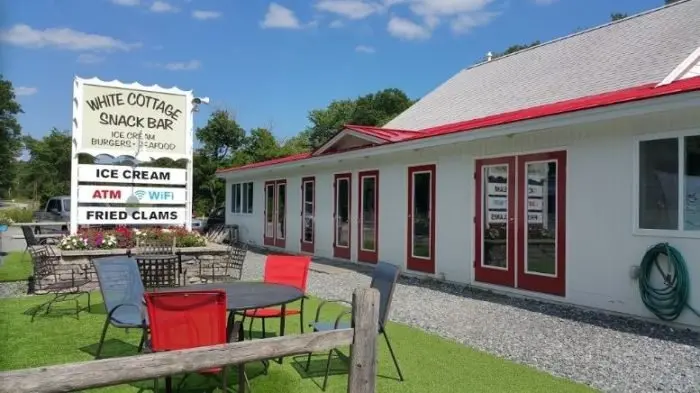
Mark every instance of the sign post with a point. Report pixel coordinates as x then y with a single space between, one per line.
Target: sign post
143 122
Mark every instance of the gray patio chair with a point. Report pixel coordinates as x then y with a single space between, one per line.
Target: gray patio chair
154 247
224 267
122 292
30 239
47 278
384 280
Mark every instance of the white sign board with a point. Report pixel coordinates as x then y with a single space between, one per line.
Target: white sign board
93 215
127 174
535 191
494 217
130 119
534 218
500 189
122 194
535 204
497 202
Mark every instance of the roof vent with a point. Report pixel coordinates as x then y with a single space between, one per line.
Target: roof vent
489 56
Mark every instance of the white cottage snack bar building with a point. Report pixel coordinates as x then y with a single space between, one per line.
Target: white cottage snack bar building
548 173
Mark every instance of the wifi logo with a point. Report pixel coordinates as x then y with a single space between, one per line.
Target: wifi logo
140 194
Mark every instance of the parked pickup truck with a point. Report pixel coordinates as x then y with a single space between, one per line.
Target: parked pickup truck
56 209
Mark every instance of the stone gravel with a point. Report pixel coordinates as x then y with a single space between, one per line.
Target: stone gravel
609 353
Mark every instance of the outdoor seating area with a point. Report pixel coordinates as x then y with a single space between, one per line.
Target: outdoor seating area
138 311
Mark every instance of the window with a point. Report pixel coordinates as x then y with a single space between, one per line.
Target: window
242 198
669 184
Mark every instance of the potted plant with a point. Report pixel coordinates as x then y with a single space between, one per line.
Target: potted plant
5 222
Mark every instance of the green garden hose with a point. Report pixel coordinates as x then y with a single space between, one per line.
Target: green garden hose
669 302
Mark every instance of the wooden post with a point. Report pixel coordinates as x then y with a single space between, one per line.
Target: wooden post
363 360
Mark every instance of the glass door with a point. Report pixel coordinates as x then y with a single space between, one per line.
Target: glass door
495 221
421 219
341 215
308 197
275 213
541 222
368 227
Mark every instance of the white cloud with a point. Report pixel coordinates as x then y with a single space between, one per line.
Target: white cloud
183 66
447 7
89 58
336 24
62 38
351 9
126 3
406 29
204 15
25 91
279 17
365 49
161 6
466 22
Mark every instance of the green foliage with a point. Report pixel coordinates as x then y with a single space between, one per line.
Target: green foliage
617 16
10 137
17 214
221 136
374 109
515 48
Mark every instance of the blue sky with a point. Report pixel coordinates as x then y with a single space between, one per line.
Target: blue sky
268 62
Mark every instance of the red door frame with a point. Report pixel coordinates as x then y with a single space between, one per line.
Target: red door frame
308 246
281 242
340 251
363 255
485 273
425 265
555 285
270 238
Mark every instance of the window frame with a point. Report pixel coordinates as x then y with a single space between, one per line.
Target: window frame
679 135
240 203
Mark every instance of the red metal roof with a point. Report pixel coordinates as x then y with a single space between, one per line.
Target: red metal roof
638 93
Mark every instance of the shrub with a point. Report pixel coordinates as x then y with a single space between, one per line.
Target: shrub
18 215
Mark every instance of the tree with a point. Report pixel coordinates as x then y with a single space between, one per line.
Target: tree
10 137
617 16
514 48
221 136
47 173
375 109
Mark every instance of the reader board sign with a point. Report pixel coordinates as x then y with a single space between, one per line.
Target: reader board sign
125 119
125 194
127 174
93 215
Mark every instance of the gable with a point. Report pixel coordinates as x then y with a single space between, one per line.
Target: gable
688 68
348 139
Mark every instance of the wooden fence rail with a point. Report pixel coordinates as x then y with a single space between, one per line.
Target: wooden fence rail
115 371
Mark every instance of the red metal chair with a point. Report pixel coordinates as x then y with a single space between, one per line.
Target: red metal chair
282 269
187 319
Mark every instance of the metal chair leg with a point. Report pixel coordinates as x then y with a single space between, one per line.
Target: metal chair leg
328 370
393 356
143 339
301 316
102 339
264 334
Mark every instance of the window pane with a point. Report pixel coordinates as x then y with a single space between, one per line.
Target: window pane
244 198
250 198
658 184
368 213
495 216
691 214
343 213
541 256
281 206
421 214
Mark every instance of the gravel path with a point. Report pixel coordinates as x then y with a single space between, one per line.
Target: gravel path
610 353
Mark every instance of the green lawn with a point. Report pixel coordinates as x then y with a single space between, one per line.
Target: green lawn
16 267
430 363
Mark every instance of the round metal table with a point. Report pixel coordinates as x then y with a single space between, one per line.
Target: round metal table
249 295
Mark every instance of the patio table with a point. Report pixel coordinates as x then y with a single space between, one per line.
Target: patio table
248 295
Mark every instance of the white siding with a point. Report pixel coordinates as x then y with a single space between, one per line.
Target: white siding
695 71
601 246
